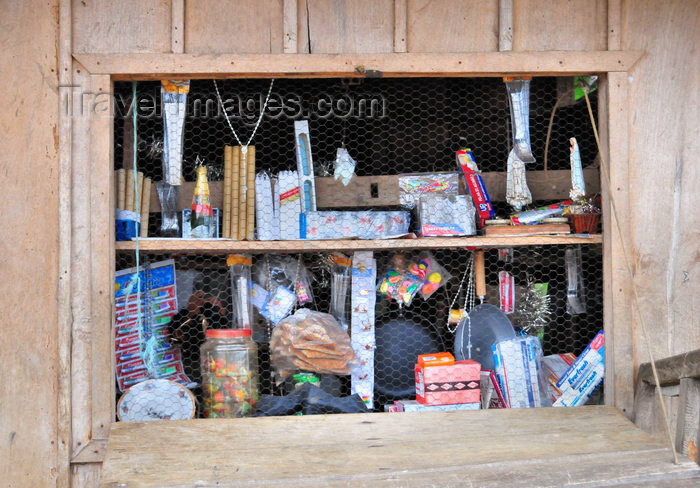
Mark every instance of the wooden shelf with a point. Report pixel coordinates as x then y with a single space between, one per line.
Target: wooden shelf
219 246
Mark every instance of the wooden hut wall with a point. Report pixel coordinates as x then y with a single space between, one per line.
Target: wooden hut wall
54 339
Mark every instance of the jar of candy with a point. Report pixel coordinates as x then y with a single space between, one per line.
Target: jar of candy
229 373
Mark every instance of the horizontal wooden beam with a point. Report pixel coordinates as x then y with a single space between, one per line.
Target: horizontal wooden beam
671 370
151 66
223 246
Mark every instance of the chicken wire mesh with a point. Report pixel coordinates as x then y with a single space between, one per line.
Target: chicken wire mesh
389 127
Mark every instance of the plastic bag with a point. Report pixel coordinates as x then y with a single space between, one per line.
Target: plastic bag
285 271
310 341
167 194
432 275
397 283
309 400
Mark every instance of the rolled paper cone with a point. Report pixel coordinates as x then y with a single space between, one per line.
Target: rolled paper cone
226 210
121 188
138 191
235 189
145 206
129 195
250 195
242 202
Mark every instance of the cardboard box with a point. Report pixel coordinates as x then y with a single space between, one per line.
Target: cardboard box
414 406
516 365
437 359
447 385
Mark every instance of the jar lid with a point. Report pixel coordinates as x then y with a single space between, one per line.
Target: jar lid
227 333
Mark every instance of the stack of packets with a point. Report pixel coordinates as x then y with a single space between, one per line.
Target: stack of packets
517 366
491 394
154 301
442 216
553 368
584 376
362 327
440 380
414 406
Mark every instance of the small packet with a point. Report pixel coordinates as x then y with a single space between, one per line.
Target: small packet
433 275
398 283
278 304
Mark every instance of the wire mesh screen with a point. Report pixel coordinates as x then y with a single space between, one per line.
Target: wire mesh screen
310 312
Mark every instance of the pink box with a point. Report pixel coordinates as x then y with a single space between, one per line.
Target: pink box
448 385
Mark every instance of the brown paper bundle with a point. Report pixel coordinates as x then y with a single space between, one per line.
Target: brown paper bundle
226 210
250 195
242 202
129 195
235 189
145 206
121 188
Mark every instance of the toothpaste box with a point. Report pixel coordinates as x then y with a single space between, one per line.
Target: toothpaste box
516 365
584 375
553 368
449 384
414 406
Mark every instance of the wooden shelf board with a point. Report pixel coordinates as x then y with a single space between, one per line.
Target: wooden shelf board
152 66
217 246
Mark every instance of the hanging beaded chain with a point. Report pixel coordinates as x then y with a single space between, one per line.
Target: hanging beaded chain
469 296
244 147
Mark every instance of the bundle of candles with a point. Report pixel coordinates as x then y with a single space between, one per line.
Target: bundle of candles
128 200
239 193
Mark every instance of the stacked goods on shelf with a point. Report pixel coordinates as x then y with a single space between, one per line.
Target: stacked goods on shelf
440 380
517 370
133 199
553 368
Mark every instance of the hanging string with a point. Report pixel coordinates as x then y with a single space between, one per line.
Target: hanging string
635 295
257 124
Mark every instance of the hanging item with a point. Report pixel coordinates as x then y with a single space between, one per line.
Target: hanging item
305 165
174 101
340 283
575 293
201 214
517 193
506 291
239 271
533 309
343 166
362 324
578 186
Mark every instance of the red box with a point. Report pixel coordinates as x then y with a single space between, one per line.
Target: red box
447 385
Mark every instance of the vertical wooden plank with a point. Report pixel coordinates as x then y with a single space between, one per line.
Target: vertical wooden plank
81 278
303 26
617 280
65 79
85 475
102 259
505 25
574 25
177 26
614 25
360 26
452 26
400 21
663 204
290 26
29 204
688 419
127 26
244 26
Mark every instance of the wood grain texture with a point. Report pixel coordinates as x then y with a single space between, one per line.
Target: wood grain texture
177 26
505 25
495 64
126 26
221 246
343 26
291 25
671 370
688 419
29 252
452 26
244 26
400 26
577 25
515 448
663 89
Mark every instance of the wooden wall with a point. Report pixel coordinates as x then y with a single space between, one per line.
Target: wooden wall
653 173
31 444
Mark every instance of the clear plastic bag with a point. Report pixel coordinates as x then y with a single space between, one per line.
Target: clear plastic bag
433 275
167 194
397 283
310 341
287 271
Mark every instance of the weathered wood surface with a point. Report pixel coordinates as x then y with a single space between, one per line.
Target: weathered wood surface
243 26
493 64
33 441
578 25
126 26
671 370
517 448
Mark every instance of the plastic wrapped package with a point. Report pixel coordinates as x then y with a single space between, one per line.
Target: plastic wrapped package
412 187
310 341
433 275
287 271
239 272
397 283
451 215
167 195
350 224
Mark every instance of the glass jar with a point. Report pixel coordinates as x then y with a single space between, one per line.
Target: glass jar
229 373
